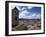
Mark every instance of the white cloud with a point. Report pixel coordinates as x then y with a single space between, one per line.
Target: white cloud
38 16
35 16
32 16
23 14
30 7
18 8
23 8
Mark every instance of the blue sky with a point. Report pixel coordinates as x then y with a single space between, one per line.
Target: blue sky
28 12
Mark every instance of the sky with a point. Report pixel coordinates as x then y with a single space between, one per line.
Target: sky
29 12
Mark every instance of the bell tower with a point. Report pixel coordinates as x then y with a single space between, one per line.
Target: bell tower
15 14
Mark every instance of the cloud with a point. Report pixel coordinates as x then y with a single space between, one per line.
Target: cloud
38 16
29 7
23 8
18 8
35 16
24 13
31 16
